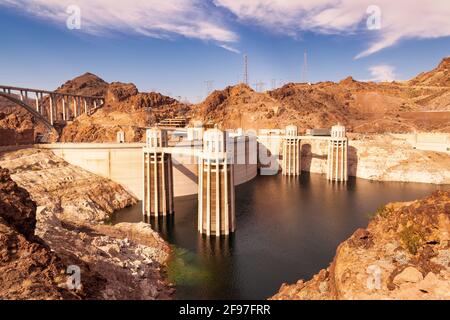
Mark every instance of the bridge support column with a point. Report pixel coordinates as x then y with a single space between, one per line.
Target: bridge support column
291 152
216 208
64 108
337 160
158 175
51 108
37 101
75 107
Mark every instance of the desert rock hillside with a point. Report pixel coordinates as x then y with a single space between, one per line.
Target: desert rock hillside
365 107
420 104
403 254
125 109
439 77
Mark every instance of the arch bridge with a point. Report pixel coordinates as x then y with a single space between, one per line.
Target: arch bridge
51 107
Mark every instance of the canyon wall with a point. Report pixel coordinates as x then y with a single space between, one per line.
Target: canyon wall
382 158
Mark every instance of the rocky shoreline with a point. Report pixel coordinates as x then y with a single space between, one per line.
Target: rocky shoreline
381 158
125 261
404 253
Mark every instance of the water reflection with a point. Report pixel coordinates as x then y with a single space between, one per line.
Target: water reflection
287 228
162 224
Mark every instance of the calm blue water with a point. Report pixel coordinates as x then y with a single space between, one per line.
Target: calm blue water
287 229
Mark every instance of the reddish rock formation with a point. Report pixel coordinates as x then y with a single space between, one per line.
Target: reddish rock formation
87 84
365 107
125 109
28 269
440 76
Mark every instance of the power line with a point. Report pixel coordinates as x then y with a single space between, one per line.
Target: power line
245 69
209 86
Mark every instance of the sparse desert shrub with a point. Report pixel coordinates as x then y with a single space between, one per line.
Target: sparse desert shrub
382 212
412 238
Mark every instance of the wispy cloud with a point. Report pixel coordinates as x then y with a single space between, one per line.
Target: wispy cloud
199 19
382 72
229 48
153 18
400 19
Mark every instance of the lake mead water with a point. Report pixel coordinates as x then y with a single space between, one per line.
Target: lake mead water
287 229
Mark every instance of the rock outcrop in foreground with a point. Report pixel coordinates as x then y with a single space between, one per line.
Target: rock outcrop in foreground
73 193
403 254
28 268
125 261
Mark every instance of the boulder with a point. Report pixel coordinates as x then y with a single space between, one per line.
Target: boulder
409 274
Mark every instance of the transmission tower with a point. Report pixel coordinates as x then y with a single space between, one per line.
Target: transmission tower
209 86
274 84
260 86
305 68
245 69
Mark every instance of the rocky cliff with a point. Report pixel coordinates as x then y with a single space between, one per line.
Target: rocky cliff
403 254
126 261
381 158
440 76
125 109
73 192
28 268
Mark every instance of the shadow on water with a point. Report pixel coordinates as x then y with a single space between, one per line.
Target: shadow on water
288 228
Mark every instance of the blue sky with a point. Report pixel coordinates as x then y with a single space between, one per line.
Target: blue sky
174 49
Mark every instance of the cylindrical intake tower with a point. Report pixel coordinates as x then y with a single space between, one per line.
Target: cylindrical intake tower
291 152
337 154
158 175
216 208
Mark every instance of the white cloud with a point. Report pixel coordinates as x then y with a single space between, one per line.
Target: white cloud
153 18
230 48
382 72
400 19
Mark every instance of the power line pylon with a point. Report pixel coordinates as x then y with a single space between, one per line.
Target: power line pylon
305 68
245 69
209 86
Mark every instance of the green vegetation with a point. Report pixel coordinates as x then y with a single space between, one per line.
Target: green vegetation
382 212
412 238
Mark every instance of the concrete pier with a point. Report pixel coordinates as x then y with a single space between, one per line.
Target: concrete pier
158 175
216 207
337 160
291 152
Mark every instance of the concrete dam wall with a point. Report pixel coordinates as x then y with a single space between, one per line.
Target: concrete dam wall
123 163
